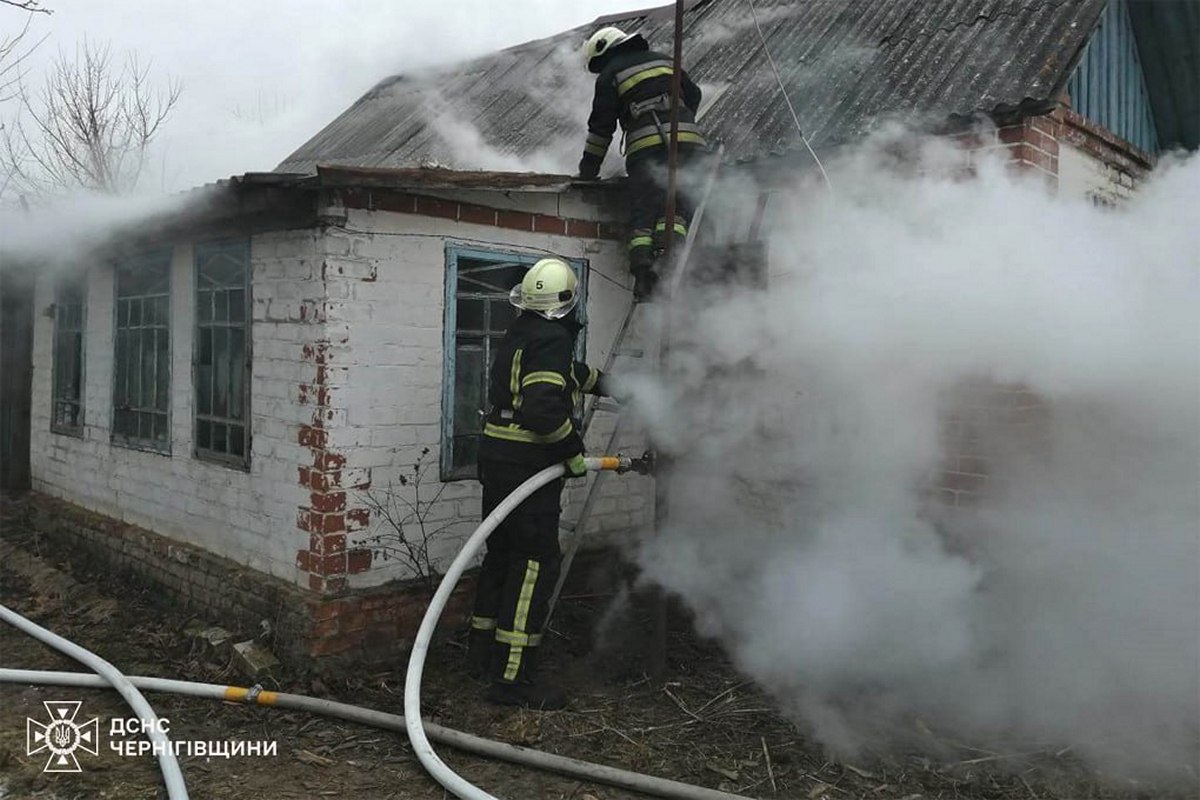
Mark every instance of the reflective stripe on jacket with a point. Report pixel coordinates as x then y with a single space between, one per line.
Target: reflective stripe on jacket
632 77
535 388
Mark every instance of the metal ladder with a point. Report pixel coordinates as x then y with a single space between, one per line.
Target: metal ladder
600 404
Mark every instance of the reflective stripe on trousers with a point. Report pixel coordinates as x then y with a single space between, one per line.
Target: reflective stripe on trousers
520 620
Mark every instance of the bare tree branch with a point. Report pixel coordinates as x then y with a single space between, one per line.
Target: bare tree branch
32 6
90 127
14 50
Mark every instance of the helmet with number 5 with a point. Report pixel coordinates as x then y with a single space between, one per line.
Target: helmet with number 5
550 288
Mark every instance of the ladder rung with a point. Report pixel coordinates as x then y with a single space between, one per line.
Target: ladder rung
606 405
630 352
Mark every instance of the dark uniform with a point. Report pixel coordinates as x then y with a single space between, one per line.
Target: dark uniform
634 89
536 386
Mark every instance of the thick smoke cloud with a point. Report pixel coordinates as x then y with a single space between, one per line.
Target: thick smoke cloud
917 322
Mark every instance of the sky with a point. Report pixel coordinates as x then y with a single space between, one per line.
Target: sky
259 78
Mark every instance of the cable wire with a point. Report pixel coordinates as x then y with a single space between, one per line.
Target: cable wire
783 91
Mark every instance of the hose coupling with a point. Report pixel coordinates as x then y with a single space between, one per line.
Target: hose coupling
643 465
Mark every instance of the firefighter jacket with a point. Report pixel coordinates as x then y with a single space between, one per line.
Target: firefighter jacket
634 89
535 388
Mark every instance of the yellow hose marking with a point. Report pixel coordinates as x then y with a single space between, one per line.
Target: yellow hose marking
266 698
235 694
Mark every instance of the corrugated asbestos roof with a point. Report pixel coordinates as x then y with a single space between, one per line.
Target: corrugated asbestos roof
848 65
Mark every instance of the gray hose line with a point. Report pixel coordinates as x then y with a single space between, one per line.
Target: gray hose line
111 676
524 756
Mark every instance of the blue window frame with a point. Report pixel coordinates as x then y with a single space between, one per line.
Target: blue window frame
477 315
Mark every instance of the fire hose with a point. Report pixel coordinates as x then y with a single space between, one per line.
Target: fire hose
411 721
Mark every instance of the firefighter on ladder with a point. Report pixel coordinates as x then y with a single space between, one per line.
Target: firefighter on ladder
535 388
633 87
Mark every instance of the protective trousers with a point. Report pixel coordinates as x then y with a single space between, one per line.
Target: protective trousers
647 207
519 570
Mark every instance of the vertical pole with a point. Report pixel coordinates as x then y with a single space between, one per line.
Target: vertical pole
673 144
658 602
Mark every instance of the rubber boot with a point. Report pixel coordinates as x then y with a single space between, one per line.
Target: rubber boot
526 695
479 653
644 281
524 691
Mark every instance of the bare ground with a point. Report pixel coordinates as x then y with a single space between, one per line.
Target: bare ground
707 725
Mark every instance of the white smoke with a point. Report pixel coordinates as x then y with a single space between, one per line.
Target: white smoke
917 322
60 231
562 87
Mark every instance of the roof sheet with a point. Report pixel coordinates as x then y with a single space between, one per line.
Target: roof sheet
848 65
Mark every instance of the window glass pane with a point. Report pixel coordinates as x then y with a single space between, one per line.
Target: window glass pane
502 316
203 434
237 440
203 389
237 371
466 453
162 390
220 372
218 438
470 315
220 306
119 376
149 363
133 365
237 305
468 388
204 304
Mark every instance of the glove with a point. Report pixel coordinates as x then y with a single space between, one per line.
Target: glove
609 386
576 468
589 168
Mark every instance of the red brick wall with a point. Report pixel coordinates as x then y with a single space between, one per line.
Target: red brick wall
369 625
425 206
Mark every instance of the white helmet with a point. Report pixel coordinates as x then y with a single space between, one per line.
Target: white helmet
602 41
549 288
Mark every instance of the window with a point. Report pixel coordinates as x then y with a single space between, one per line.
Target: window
477 314
222 355
142 353
67 380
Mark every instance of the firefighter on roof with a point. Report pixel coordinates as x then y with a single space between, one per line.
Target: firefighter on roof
633 87
535 390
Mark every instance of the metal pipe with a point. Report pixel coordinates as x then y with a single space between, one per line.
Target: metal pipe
582 770
673 143
110 675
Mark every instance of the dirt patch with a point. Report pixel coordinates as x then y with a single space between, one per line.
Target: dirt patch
707 725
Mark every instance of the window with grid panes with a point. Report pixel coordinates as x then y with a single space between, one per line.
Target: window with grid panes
67 413
222 357
142 353
477 314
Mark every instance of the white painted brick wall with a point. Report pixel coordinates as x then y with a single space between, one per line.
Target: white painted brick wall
393 390
1082 175
383 293
246 516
